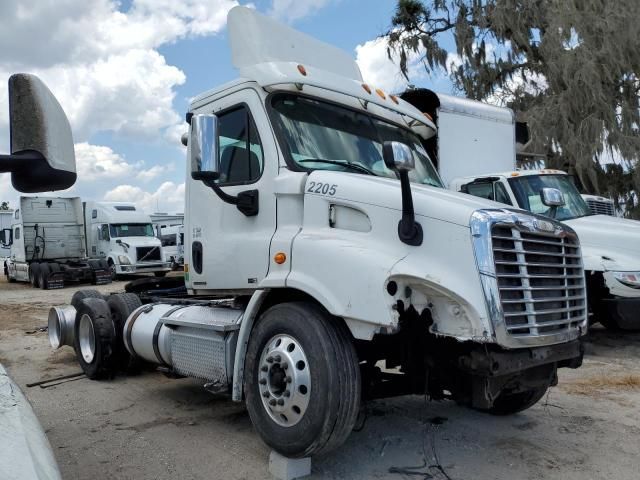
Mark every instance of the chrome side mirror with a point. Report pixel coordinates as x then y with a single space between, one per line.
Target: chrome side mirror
42 156
552 197
203 147
398 156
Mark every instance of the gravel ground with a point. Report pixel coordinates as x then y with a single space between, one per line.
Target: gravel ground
152 427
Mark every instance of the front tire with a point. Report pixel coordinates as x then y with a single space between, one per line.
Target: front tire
302 380
510 403
43 273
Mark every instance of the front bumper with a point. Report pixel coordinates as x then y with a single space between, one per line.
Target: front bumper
146 267
495 363
625 312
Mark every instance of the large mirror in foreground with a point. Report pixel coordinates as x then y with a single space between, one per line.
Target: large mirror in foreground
42 157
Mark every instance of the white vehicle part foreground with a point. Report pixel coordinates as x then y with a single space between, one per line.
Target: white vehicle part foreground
25 451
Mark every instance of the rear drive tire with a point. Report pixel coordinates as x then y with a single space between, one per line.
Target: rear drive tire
82 294
95 339
34 274
510 403
302 380
121 305
43 273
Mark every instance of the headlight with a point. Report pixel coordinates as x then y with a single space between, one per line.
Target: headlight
630 279
124 260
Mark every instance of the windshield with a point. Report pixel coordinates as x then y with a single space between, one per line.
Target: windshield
528 188
324 136
131 230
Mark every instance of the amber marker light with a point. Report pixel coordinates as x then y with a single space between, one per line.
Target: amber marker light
394 99
280 258
302 70
367 88
515 174
381 94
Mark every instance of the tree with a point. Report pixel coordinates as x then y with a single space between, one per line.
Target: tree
4 206
570 68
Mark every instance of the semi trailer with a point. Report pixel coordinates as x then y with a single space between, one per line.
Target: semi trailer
123 236
326 264
476 154
47 245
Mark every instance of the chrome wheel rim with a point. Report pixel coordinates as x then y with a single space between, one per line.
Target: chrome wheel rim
87 338
284 380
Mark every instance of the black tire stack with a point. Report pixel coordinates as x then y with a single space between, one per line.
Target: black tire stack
107 318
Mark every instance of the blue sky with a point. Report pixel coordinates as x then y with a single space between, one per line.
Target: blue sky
124 72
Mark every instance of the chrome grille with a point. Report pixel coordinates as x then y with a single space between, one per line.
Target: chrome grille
540 281
147 254
601 207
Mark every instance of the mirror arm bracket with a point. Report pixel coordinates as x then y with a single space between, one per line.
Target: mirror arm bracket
409 231
247 201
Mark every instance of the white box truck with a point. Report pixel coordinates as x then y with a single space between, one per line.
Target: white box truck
326 263
47 244
476 154
172 239
123 235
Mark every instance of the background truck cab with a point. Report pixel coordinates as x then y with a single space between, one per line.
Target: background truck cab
477 143
125 237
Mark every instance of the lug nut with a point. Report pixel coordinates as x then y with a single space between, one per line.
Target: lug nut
265 394
277 358
272 402
269 359
280 402
288 379
285 366
287 393
263 381
264 368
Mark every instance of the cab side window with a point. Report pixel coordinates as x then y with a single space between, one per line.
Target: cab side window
103 232
501 194
241 157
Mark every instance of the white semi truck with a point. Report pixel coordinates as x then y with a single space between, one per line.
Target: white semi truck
326 264
172 239
123 235
476 154
47 245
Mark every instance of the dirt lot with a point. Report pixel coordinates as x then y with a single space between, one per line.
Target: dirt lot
151 427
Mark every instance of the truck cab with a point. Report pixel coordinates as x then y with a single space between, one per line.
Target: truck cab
124 236
325 262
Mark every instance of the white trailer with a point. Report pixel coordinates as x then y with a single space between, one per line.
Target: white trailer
610 245
320 244
47 244
123 235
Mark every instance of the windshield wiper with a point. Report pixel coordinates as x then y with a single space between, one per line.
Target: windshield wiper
353 166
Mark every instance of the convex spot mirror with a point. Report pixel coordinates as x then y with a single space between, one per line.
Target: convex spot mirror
42 156
398 156
552 197
6 237
203 147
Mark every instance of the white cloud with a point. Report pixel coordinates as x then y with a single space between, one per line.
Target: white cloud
151 173
169 197
98 162
291 10
381 72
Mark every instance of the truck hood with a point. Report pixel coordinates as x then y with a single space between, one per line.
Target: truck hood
140 241
433 202
608 243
